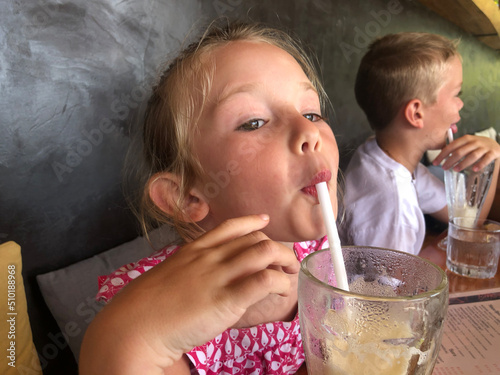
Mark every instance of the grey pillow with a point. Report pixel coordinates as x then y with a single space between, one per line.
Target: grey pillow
70 292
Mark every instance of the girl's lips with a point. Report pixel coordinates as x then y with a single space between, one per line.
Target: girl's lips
323 176
454 128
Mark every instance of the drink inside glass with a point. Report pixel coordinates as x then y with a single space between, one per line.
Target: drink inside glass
466 192
473 247
389 322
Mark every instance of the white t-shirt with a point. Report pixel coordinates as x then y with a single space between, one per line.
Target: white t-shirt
384 205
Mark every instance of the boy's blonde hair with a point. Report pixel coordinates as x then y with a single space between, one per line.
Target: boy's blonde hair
398 68
177 102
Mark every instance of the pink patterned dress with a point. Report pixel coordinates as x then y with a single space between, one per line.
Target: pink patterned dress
272 348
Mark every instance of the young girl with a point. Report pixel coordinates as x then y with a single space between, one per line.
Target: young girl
235 140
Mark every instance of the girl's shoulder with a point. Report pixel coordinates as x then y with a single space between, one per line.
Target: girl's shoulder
110 285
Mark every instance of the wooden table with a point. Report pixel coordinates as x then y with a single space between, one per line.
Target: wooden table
432 252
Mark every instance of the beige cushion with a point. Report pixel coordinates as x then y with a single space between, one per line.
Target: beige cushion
15 329
490 133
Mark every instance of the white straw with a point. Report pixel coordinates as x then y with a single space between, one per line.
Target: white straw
333 236
450 135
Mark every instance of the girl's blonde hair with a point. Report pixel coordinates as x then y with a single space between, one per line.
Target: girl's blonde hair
176 104
398 68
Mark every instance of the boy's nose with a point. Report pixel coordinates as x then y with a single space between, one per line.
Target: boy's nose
305 136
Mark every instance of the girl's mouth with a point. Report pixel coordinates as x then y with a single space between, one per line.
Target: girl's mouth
323 176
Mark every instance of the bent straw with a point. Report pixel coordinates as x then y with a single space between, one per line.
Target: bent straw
333 236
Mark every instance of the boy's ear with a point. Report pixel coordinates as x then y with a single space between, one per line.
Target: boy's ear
165 191
414 113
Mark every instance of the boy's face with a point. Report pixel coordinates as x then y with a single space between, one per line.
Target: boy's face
263 144
444 113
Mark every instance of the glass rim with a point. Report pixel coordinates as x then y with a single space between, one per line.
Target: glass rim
442 286
482 221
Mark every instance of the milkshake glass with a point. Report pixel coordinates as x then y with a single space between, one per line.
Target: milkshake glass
390 321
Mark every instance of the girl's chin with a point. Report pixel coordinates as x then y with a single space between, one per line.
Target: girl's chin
302 230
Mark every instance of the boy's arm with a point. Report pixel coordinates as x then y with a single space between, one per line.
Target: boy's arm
488 202
441 215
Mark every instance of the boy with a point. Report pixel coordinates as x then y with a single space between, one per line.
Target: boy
408 85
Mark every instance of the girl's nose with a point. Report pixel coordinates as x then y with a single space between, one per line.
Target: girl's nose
305 136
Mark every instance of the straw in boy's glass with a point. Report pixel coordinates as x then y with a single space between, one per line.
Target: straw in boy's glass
333 236
450 135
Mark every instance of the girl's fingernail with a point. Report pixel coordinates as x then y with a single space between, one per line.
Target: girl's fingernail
264 217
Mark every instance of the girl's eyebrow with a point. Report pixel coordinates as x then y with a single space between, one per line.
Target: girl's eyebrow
226 93
253 86
306 86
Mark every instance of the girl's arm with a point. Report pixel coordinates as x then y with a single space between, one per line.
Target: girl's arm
197 293
473 150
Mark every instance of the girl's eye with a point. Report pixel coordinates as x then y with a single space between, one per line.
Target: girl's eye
253 124
313 117
459 94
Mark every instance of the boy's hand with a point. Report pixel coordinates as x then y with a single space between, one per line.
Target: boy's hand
468 150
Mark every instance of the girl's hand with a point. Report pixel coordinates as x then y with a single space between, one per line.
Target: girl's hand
473 149
185 301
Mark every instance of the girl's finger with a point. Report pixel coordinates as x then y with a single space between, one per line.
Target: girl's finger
255 287
259 256
231 229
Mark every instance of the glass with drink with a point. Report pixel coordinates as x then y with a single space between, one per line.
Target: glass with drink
389 322
466 192
473 247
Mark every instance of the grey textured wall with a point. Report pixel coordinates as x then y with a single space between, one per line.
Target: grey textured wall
74 76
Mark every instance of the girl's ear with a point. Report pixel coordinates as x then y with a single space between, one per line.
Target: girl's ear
164 191
414 113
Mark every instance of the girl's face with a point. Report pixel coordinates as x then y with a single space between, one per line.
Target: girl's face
444 113
263 144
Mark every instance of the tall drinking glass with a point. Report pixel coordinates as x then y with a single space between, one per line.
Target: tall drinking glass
466 192
390 321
